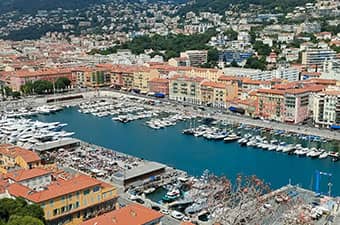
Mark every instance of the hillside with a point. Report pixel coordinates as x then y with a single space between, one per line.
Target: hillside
33 5
221 6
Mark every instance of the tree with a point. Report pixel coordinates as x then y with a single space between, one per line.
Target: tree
27 88
262 49
26 220
8 91
42 86
17 211
16 94
62 83
231 34
256 63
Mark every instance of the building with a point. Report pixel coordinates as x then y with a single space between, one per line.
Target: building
317 57
14 157
179 61
159 85
98 77
230 56
196 57
141 78
21 77
185 89
68 199
218 94
33 178
133 214
326 108
270 104
136 176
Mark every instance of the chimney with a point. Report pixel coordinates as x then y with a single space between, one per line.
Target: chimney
133 213
114 220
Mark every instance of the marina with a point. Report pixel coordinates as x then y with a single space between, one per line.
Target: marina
197 154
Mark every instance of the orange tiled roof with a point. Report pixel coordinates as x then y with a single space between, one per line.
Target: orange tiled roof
133 214
228 78
187 78
271 91
213 84
24 174
56 189
14 151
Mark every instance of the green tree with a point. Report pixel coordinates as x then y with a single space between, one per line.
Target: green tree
42 86
256 63
62 83
24 220
27 88
16 94
231 34
262 49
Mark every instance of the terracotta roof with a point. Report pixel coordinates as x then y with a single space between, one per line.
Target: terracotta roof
14 151
23 174
56 189
213 84
271 91
133 214
43 72
331 92
228 78
187 78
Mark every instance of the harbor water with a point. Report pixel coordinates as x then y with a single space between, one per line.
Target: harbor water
194 155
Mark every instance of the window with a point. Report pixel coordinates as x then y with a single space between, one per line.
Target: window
51 202
98 198
86 192
96 188
77 205
55 212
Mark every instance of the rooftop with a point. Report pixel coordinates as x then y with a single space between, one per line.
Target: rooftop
24 174
15 151
133 214
58 188
145 168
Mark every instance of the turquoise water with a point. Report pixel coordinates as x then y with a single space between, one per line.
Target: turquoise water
194 155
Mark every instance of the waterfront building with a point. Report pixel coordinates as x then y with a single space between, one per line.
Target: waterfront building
296 105
98 77
270 104
317 57
159 85
196 57
16 79
68 199
133 214
79 75
208 74
185 89
14 157
326 108
218 94
141 78
139 175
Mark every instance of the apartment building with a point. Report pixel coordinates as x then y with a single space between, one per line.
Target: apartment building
67 199
326 108
98 77
14 157
34 179
270 104
159 85
313 57
21 77
196 57
185 89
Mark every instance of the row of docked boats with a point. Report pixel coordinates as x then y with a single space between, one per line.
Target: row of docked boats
29 111
171 120
296 149
212 133
27 133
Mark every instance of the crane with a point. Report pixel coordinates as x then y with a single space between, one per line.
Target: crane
318 175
